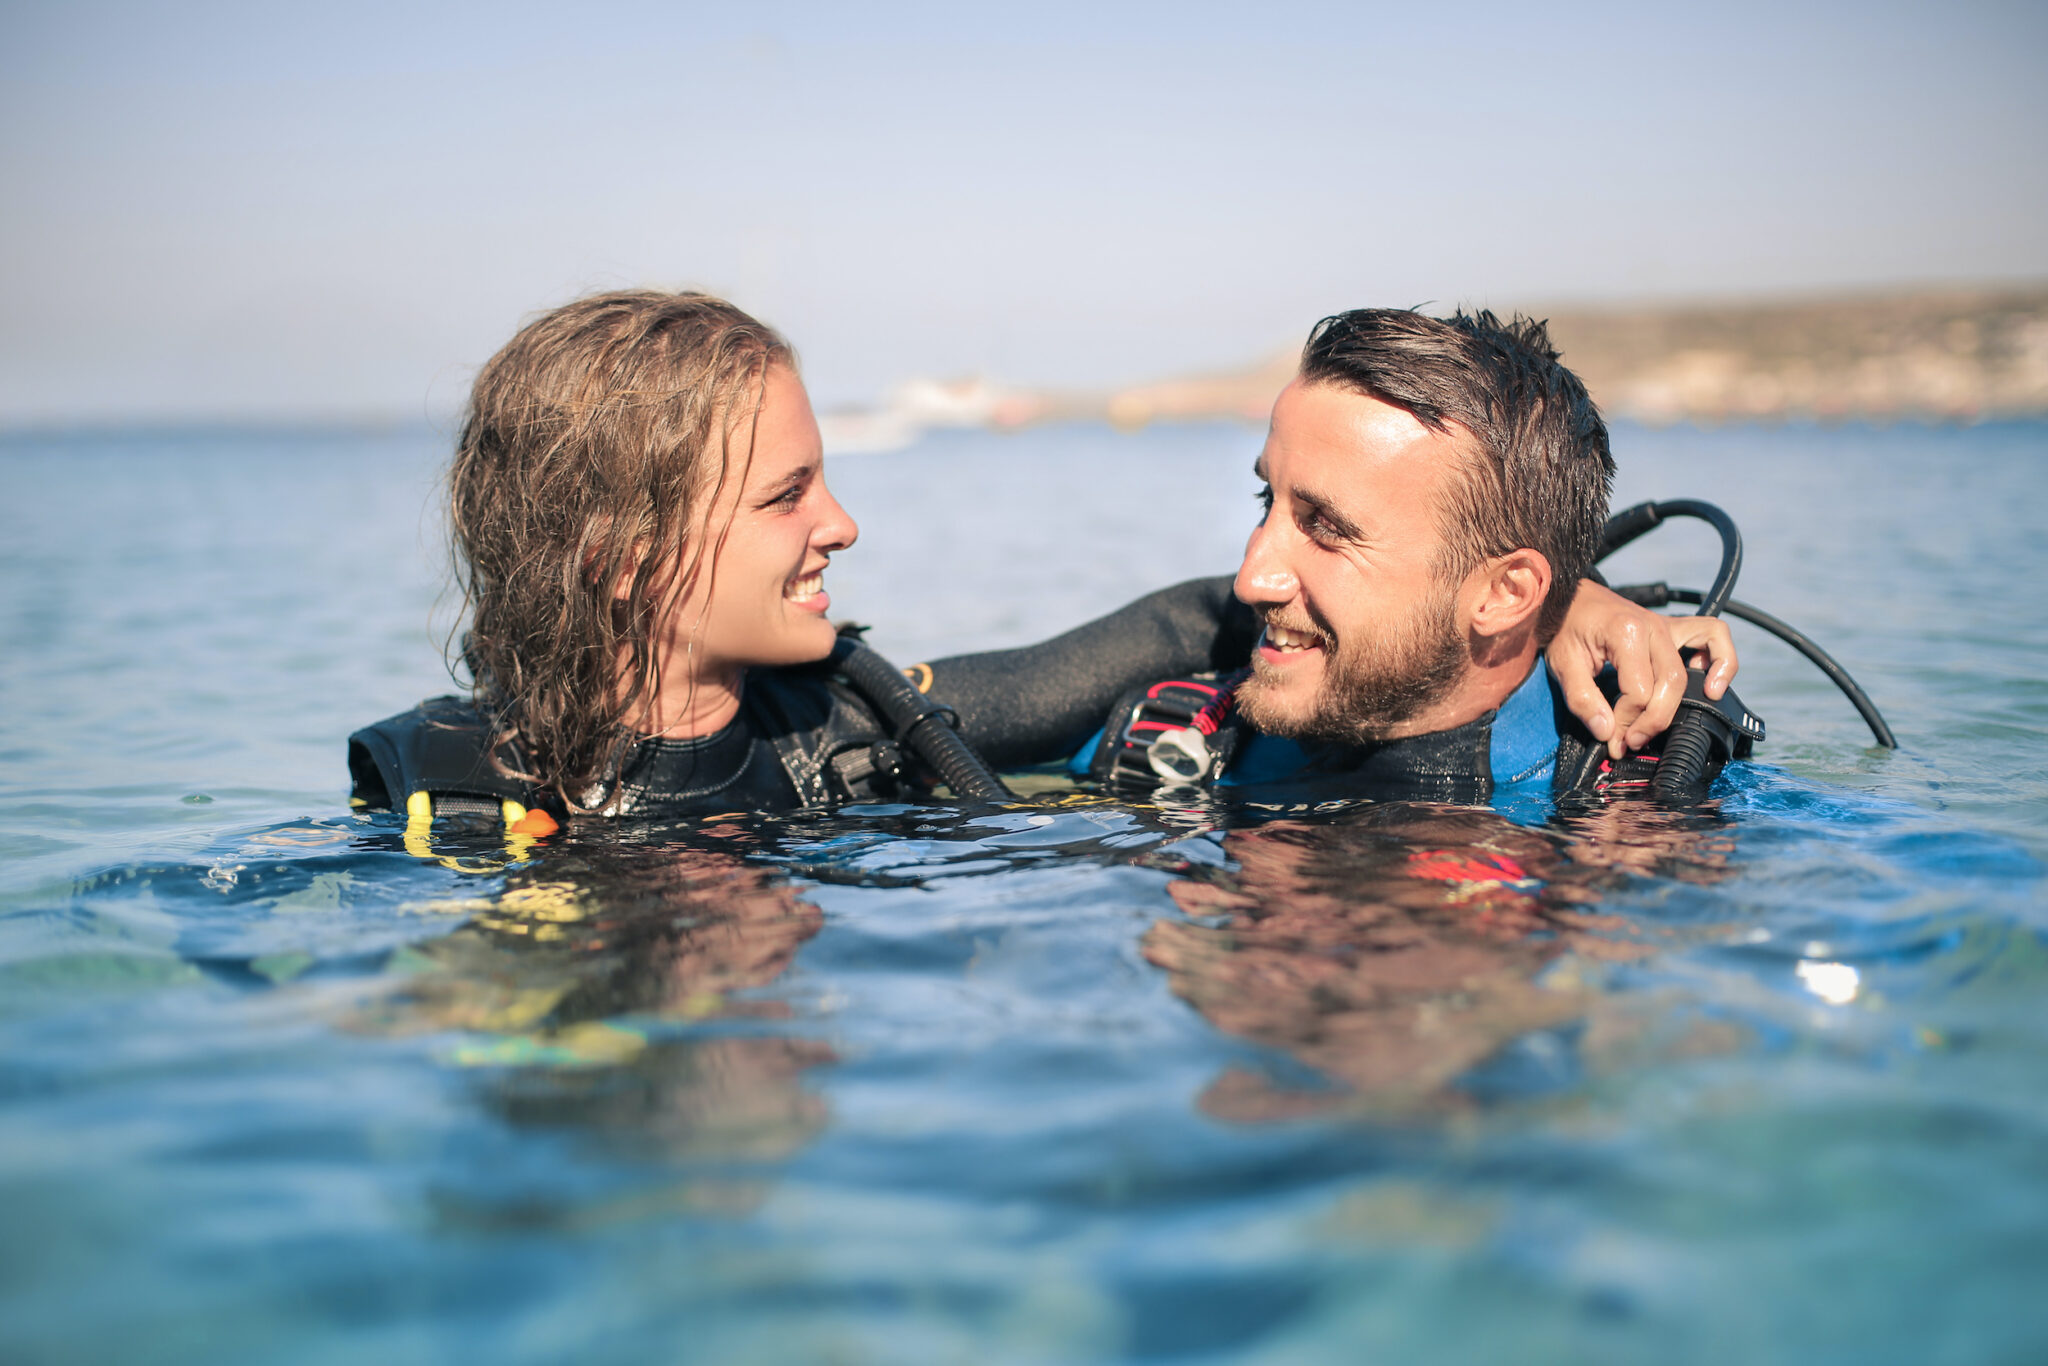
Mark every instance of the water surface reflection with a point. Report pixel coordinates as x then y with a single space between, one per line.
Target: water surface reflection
613 989
1396 948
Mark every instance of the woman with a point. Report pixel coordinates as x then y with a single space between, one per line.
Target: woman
640 516
642 529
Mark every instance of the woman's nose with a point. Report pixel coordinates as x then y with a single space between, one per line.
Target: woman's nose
836 530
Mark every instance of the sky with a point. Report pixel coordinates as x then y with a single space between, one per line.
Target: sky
279 211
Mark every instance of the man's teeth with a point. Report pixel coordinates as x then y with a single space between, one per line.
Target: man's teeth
806 588
1280 638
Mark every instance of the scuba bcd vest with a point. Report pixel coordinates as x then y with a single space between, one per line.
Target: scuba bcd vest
848 728
1186 732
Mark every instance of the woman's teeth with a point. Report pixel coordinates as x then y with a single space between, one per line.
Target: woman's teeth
1280 638
806 588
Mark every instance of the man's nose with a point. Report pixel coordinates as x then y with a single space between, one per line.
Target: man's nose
1264 577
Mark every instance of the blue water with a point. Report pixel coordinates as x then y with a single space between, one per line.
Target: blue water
1079 1083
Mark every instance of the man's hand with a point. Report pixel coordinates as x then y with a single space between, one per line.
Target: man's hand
1605 628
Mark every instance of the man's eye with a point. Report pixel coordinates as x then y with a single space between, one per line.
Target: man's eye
1265 500
1315 526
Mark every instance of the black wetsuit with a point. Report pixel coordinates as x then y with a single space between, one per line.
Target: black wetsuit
802 738
734 770
1040 703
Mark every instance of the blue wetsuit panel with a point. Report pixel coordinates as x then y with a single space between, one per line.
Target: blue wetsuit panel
1085 755
1525 732
1264 759
1523 743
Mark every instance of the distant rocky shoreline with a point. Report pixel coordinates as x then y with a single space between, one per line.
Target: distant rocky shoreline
1956 356
1942 355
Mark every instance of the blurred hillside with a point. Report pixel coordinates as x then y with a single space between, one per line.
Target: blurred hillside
1947 355
1959 354
1952 355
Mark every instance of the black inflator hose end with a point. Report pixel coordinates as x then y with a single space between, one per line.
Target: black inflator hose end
1684 770
921 725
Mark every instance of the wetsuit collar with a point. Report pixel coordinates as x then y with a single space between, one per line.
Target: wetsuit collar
1463 764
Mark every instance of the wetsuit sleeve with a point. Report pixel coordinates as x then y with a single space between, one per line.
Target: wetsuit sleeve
1040 703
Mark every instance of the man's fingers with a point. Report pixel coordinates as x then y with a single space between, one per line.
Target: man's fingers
1634 673
1720 676
1649 671
1627 707
1630 654
1583 696
1668 669
1710 636
1628 711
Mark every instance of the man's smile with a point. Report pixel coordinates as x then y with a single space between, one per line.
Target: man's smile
1280 638
1282 645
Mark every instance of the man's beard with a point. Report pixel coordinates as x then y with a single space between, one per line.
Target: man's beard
1370 686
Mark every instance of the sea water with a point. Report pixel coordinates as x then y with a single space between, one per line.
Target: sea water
1067 1083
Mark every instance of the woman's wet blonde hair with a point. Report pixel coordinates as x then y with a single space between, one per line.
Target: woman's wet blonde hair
590 442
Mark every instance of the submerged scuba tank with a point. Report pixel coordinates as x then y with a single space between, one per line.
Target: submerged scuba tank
1706 734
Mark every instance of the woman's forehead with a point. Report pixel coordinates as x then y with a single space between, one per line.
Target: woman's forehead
785 434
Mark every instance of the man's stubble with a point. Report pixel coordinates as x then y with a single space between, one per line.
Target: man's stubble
1370 686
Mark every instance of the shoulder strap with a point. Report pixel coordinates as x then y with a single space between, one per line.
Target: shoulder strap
440 747
830 744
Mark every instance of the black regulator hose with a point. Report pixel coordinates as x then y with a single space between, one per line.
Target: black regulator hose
1702 727
1686 764
919 724
1630 523
1658 594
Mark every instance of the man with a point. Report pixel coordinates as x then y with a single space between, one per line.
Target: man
1436 493
1436 490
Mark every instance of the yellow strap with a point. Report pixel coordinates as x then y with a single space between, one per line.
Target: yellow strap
419 836
419 825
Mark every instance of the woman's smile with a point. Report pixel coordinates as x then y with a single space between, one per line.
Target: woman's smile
808 592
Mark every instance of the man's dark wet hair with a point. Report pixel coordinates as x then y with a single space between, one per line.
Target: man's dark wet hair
1539 470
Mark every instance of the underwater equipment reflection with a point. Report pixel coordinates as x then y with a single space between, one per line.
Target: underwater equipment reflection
1706 733
630 993
1407 954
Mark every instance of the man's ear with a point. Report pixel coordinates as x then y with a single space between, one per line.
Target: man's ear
1506 592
